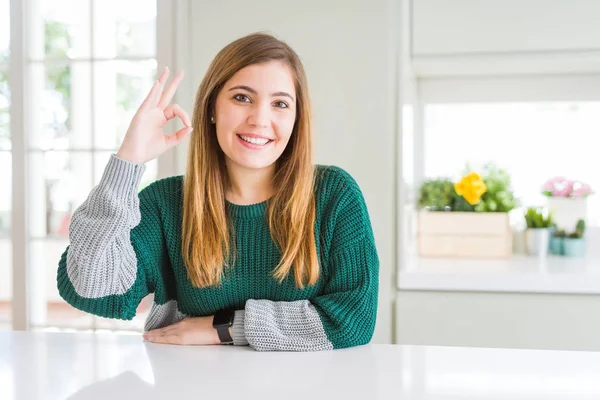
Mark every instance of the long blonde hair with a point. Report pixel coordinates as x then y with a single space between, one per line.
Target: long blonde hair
206 230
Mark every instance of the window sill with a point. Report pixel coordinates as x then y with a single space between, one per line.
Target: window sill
520 273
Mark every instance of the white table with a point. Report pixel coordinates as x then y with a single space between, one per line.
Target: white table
38 365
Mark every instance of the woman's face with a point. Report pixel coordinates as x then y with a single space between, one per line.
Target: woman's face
255 114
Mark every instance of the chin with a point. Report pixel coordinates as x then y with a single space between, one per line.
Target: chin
253 164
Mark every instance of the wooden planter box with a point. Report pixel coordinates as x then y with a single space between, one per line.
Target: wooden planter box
464 234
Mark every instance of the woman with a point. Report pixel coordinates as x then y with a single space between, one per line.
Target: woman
254 245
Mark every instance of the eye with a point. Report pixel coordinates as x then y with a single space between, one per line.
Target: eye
282 104
242 98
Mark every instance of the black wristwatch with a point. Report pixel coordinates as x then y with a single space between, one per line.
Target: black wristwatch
222 321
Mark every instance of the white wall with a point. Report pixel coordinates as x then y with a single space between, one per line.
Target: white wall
523 37
460 27
349 49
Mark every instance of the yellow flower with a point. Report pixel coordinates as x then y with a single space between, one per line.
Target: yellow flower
471 187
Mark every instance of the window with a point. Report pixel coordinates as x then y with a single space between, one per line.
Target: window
534 141
6 168
89 64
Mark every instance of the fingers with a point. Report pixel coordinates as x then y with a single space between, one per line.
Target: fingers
161 85
168 338
157 333
164 330
161 97
147 103
167 95
178 136
174 110
156 90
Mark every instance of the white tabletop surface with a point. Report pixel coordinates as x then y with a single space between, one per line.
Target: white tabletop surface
38 365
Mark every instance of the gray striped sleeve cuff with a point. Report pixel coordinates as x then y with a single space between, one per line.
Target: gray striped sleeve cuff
122 178
284 326
239 334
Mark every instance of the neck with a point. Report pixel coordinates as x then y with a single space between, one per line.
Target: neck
249 186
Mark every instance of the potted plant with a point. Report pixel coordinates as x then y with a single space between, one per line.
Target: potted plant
437 195
574 242
476 222
498 196
537 235
567 200
557 240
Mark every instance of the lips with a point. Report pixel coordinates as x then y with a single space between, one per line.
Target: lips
254 146
254 136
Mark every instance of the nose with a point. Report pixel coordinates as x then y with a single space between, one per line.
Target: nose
259 116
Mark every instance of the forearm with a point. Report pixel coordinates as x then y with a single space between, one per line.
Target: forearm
342 316
101 260
98 272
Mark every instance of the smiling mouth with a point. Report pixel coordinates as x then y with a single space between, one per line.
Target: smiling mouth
254 141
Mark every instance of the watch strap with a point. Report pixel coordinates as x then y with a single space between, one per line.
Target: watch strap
225 317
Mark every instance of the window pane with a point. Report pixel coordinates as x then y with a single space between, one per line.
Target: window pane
64 32
60 106
5 283
5 241
47 308
4 30
119 89
6 193
533 141
59 183
124 28
6 174
5 143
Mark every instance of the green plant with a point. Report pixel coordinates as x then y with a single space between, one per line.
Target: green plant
559 233
460 204
579 230
537 219
437 194
441 193
499 196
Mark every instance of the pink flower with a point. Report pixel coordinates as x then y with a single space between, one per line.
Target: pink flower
560 186
548 186
563 189
581 189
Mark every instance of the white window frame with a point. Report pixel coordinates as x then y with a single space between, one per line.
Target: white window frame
169 52
485 89
480 89
486 77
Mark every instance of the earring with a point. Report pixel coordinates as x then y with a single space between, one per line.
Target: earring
212 120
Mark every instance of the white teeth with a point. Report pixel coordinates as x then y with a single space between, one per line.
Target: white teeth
254 140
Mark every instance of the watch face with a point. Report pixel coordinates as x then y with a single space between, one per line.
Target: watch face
223 318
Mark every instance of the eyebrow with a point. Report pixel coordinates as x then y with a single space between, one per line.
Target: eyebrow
249 89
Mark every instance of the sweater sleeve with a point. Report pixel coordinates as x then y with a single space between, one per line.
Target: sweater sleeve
344 314
115 245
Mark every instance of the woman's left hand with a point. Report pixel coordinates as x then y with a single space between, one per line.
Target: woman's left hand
188 331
